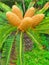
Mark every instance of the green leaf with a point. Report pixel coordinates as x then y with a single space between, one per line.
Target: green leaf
31 4
45 21
2 22
47 13
4 7
5 30
43 27
19 48
3 19
45 41
7 50
40 2
34 36
43 10
3 16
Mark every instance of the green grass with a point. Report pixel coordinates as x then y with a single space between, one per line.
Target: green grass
36 57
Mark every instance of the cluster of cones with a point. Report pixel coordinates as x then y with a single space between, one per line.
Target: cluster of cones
16 18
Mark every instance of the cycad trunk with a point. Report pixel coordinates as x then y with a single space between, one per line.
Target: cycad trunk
13 55
28 47
27 43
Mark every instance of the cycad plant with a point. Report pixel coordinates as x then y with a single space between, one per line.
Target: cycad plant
12 28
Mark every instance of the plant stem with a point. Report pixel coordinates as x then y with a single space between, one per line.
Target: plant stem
21 49
23 5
